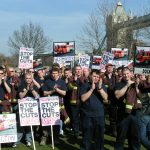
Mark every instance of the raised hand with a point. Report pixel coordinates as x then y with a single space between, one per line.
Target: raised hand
93 86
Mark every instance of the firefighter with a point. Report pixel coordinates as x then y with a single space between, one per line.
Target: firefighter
74 87
109 80
93 93
128 94
53 86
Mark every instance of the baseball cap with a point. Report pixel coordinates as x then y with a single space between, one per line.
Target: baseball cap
108 64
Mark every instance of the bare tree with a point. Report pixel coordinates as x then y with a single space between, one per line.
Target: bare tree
104 23
31 36
90 37
93 33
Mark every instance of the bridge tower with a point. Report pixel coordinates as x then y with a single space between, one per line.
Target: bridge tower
121 37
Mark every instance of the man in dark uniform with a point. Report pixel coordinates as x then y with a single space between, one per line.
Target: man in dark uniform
127 92
93 94
109 79
5 91
53 87
74 87
26 89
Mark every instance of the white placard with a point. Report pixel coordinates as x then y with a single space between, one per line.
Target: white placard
84 61
106 57
25 58
28 112
8 129
64 61
50 111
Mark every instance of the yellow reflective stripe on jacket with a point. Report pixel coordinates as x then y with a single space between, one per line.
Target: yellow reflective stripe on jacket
129 106
62 107
138 101
73 101
75 87
6 112
106 86
72 86
67 120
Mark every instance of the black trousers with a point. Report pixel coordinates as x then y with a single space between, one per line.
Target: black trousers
128 128
93 132
75 118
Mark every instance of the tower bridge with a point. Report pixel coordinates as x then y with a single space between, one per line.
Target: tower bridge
120 27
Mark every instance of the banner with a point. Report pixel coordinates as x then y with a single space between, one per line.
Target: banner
120 63
84 61
61 49
50 111
142 60
8 129
25 58
106 57
28 112
96 61
67 61
120 53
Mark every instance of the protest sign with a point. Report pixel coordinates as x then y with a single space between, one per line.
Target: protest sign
106 57
67 61
50 111
96 61
84 61
28 112
142 60
8 129
61 49
25 58
120 63
120 53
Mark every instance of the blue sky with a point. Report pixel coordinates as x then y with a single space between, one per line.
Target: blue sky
61 20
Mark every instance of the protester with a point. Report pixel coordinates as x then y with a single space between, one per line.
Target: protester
144 119
74 86
92 95
27 89
109 79
84 93
53 87
5 91
127 92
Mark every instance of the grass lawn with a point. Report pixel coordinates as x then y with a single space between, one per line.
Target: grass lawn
66 143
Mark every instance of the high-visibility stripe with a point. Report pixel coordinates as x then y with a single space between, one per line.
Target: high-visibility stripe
73 101
14 100
6 112
67 120
138 101
75 88
129 106
106 86
72 86
62 107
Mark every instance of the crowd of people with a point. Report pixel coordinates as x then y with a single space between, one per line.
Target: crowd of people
87 96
